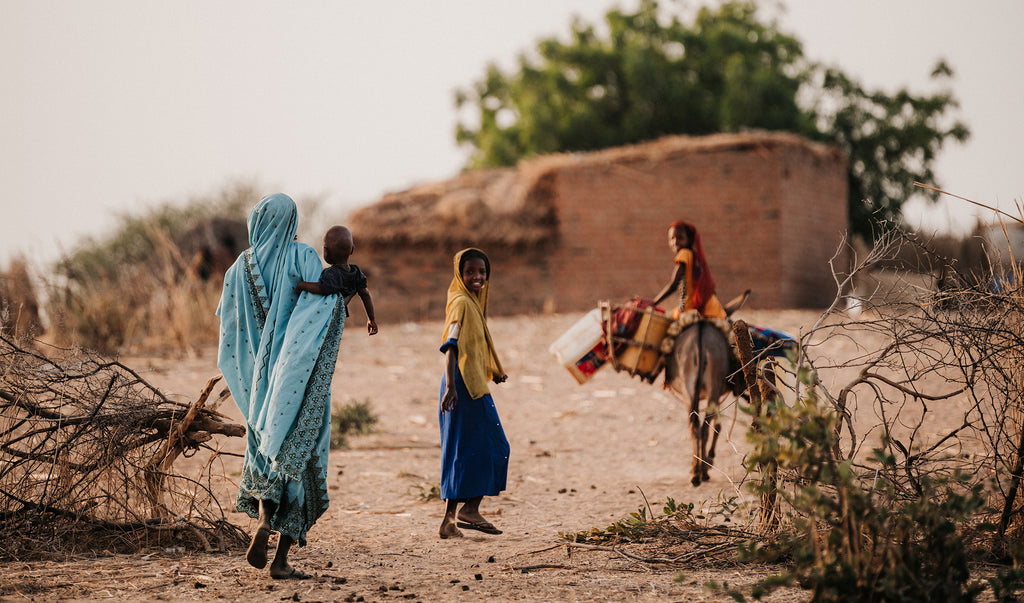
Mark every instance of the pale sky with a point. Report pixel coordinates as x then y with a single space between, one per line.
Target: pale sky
113 105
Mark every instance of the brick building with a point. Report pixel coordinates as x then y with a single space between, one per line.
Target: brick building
565 231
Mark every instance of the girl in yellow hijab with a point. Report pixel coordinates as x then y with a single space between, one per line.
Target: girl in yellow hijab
474 449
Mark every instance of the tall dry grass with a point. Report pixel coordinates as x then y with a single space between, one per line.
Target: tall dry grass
137 290
158 306
134 290
19 304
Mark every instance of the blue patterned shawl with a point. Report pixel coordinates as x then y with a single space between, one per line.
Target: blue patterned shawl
277 354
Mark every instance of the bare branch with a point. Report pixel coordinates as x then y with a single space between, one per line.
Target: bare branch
84 441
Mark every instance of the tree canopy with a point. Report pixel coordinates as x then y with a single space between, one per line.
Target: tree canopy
648 74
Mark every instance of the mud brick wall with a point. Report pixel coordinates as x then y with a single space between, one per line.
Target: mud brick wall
770 212
771 209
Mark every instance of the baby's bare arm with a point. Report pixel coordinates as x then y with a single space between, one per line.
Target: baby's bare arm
371 320
309 287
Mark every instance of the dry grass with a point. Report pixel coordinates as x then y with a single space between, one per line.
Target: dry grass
155 306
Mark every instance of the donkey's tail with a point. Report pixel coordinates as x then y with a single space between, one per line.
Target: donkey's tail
702 361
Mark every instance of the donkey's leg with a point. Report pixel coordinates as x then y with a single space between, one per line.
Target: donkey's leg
716 427
695 435
704 448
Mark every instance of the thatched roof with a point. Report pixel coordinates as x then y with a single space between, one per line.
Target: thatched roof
501 205
670 147
517 206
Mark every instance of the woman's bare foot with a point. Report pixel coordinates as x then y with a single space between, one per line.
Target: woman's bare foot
280 569
287 573
257 553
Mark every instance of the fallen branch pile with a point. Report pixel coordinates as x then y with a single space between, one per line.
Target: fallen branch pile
86 448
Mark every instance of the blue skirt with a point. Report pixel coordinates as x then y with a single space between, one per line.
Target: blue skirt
474 449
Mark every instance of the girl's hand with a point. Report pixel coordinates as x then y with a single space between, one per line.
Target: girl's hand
448 401
501 378
371 327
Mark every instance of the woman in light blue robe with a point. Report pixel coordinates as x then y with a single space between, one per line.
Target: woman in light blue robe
277 353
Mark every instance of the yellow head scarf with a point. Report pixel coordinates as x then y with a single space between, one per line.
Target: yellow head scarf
478 362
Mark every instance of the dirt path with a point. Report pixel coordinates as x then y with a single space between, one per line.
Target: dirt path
582 457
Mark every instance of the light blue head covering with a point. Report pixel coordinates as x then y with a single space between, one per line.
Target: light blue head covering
272 227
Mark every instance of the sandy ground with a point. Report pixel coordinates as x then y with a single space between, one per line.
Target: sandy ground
582 457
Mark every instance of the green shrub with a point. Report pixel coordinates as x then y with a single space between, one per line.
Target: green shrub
857 538
676 521
354 417
424 492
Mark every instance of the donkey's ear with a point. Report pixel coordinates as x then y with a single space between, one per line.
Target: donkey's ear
736 303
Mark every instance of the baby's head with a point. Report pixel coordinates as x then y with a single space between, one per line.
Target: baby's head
338 245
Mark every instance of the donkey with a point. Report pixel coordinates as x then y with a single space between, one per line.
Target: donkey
697 369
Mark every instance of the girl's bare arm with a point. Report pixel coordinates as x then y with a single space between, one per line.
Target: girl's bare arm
677 277
451 363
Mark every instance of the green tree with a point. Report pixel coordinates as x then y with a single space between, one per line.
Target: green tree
891 141
650 74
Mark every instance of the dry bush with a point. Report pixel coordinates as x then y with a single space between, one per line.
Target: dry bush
180 311
894 471
86 453
936 382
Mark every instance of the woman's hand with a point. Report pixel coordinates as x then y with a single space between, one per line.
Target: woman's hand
500 378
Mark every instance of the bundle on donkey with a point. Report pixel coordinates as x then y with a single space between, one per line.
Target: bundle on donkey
86 447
